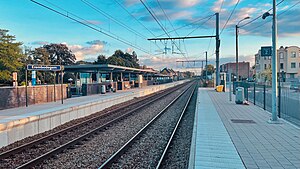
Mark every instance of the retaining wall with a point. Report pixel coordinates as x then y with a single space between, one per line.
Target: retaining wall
40 121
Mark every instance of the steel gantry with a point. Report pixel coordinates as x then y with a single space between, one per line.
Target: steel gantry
217 36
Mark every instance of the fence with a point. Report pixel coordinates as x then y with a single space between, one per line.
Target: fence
288 100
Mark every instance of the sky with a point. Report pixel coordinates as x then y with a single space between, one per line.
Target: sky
108 25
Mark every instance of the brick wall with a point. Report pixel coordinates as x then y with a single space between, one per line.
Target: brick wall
11 97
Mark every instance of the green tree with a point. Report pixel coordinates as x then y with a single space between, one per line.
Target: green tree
123 59
10 56
210 70
42 57
60 54
101 59
266 74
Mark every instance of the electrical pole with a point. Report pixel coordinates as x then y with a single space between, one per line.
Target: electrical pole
217 50
274 64
205 66
236 52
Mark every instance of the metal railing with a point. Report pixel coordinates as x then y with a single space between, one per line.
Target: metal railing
288 100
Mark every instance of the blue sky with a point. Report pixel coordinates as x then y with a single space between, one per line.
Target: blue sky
34 26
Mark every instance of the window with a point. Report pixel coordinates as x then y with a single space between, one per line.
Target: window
292 76
293 65
281 55
281 65
265 66
293 54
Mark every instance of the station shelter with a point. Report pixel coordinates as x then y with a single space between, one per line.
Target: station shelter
90 77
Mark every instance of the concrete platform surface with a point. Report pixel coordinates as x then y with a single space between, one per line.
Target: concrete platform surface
19 123
212 146
258 143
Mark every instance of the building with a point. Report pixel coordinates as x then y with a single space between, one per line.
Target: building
243 69
288 62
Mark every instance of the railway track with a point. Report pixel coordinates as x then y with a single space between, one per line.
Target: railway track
148 147
33 153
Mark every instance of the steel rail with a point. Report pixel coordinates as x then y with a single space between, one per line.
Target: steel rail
174 131
119 152
56 150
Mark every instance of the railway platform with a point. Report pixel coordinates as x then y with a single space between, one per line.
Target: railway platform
22 122
227 135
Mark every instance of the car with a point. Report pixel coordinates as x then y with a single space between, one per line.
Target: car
295 86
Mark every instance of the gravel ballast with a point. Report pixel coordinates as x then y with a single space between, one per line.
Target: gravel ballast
97 149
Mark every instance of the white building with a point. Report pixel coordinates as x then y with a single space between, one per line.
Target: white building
288 62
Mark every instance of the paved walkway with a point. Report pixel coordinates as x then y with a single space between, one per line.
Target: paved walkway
213 146
259 144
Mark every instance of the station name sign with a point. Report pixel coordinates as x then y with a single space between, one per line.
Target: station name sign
45 67
266 51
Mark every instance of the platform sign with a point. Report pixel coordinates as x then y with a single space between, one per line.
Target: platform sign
33 78
45 67
266 51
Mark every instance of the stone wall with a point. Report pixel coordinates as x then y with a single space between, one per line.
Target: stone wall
11 97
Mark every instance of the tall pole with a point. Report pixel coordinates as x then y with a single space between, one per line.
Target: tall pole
206 67
217 50
26 84
236 52
61 87
274 64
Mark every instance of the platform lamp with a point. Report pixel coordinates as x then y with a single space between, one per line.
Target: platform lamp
274 118
237 47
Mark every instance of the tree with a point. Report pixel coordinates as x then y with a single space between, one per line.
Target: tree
42 57
101 59
60 54
82 62
210 70
266 74
123 59
10 56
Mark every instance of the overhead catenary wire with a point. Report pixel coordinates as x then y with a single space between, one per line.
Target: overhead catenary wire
98 10
166 16
232 11
88 24
157 21
198 20
200 25
186 52
130 14
102 12
281 13
247 23
213 32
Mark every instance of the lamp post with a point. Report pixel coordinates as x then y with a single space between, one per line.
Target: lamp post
274 118
237 47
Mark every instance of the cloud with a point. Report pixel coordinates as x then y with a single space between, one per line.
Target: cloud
167 3
188 3
39 43
160 62
96 42
85 52
129 50
287 26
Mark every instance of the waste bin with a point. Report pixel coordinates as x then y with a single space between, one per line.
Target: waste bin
219 88
239 95
103 89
